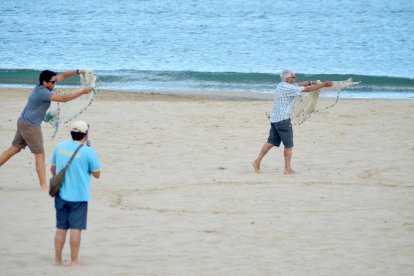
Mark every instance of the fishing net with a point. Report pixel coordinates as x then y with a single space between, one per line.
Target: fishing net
308 103
62 113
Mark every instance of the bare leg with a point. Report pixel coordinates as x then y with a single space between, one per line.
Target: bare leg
265 149
8 153
75 239
60 239
288 157
41 171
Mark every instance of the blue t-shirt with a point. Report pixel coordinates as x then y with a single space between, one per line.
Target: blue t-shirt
77 180
37 105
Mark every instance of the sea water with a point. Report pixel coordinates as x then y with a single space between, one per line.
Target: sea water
212 45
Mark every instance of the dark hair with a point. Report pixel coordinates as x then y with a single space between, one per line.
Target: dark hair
46 75
77 136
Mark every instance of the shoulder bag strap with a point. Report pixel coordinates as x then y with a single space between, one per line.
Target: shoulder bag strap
73 156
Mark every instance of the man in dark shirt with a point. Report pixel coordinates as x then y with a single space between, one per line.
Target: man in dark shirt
29 132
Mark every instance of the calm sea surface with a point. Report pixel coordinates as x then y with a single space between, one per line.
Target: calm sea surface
212 45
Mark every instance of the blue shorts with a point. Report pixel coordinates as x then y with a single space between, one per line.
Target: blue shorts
70 215
281 132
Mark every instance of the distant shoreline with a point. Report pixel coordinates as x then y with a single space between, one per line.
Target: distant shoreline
178 95
199 82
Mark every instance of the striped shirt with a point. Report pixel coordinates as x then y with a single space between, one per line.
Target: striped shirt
284 101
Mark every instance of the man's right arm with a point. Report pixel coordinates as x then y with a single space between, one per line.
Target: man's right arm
66 98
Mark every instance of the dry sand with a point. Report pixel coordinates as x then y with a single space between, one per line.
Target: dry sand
178 195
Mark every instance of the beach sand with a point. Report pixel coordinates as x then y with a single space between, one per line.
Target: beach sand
178 194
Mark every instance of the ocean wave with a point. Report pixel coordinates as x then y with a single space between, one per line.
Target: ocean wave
261 82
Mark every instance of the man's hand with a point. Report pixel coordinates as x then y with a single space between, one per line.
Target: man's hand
327 84
86 90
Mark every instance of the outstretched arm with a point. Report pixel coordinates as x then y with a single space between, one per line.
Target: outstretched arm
317 86
307 83
66 98
69 74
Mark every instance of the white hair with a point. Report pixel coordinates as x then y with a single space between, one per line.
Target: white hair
286 74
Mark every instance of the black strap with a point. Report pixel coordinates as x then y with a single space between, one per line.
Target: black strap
73 156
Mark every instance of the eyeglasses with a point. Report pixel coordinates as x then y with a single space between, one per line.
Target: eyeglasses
292 77
53 82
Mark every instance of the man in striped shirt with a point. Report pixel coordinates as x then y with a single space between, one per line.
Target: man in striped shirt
280 126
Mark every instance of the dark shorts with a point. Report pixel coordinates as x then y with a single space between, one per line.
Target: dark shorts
28 135
71 215
281 132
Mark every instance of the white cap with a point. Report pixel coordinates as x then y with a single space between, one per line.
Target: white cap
80 126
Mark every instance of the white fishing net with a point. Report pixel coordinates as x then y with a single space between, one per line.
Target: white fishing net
308 103
62 113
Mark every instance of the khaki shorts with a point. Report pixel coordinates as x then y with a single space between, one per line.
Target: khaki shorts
29 135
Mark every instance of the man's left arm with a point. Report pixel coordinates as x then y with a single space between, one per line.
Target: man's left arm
317 86
96 174
69 74
306 83
95 165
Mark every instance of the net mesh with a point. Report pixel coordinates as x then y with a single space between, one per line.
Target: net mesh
62 113
308 103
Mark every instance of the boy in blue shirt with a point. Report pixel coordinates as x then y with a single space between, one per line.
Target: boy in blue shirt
71 203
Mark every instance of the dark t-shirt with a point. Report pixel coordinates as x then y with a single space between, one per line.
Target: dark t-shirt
37 105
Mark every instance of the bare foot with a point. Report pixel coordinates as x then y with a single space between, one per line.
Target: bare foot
76 263
256 166
289 171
